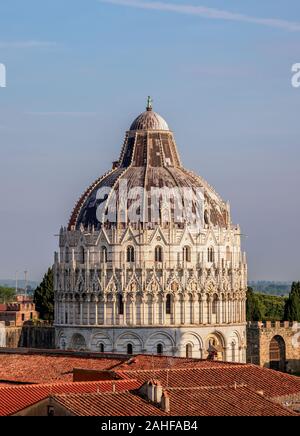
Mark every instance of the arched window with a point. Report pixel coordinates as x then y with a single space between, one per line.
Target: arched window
228 254
159 348
168 305
120 305
186 253
130 253
104 254
214 308
188 350
206 217
101 348
210 254
67 256
158 254
81 255
277 354
129 349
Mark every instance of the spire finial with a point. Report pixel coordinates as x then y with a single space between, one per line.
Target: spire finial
149 103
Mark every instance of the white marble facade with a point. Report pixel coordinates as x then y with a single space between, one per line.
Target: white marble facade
162 289
103 302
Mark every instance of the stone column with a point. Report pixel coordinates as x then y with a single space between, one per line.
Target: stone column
154 308
104 299
81 311
194 299
124 308
163 302
209 308
175 308
185 300
74 310
201 308
88 299
143 310
225 309
218 315
133 309
96 310
114 312
63 309
229 309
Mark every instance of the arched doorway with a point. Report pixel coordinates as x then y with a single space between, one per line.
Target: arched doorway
277 354
189 351
215 347
78 342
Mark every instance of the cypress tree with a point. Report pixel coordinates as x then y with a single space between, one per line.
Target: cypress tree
44 297
292 307
254 310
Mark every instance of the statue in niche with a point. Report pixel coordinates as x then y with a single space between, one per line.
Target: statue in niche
174 287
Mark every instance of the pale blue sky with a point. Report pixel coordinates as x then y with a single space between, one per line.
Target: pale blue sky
79 71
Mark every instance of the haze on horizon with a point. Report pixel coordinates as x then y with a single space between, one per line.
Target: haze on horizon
79 72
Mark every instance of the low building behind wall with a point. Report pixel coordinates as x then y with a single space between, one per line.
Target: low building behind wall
18 312
274 345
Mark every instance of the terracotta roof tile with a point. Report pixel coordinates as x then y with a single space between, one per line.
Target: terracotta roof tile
118 404
17 398
273 383
228 401
43 368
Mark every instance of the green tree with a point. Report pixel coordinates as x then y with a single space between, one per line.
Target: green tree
254 308
7 294
292 307
44 297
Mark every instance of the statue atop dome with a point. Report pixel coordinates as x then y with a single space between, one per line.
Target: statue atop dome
149 103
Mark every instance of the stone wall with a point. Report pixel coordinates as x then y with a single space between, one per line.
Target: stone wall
259 337
27 337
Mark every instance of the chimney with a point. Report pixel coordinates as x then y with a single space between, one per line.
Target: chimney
158 391
165 402
150 390
153 391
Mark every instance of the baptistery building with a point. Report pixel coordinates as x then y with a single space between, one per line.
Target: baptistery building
150 261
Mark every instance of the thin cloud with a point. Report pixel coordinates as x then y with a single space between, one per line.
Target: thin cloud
205 12
27 44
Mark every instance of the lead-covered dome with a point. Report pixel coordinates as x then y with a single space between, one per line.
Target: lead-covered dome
149 120
149 159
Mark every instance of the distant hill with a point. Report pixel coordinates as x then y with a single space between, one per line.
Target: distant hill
271 288
10 283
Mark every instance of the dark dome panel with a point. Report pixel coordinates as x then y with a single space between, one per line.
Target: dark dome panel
149 158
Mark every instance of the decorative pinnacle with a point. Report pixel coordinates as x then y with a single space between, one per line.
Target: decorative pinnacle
149 103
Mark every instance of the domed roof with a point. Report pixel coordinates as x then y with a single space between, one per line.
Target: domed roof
149 120
149 159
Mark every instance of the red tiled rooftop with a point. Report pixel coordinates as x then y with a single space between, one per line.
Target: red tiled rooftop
228 401
118 404
47 367
44 368
150 362
273 383
15 399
